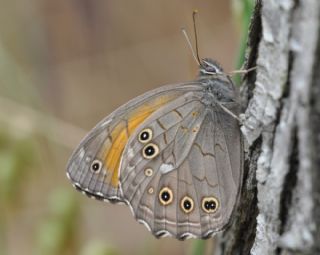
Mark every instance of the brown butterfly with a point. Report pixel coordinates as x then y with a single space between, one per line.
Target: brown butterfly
174 155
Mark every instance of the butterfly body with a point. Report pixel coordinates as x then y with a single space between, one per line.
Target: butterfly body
174 155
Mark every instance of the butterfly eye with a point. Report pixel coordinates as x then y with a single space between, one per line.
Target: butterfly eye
187 204
210 204
96 166
150 151
145 135
165 196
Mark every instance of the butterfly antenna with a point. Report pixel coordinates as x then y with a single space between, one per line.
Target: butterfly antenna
194 13
190 46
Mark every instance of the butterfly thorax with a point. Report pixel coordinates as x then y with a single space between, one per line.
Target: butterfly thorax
217 90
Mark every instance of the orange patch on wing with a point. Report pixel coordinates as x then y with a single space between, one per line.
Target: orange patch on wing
120 135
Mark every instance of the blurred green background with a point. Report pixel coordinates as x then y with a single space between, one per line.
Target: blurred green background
66 64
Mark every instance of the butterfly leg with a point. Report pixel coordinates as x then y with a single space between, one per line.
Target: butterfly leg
242 71
229 112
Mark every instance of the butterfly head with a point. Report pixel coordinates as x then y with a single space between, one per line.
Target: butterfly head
210 67
216 81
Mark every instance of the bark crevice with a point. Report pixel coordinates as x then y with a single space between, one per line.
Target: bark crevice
290 182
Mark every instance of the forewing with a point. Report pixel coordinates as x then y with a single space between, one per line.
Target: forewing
105 143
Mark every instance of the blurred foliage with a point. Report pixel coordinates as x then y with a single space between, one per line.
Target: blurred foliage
242 10
16 82
17 158
97 247
57 233
199 247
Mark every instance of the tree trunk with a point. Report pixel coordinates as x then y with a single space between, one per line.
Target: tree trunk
279 209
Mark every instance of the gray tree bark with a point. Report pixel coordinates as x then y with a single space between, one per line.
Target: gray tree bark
279 209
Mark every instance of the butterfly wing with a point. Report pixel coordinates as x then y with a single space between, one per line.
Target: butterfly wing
94 166
190 187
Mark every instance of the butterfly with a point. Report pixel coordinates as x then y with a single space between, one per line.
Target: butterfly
174 155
